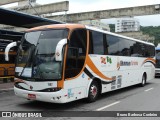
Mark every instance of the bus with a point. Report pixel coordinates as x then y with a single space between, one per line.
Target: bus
157 69
7 68
66 62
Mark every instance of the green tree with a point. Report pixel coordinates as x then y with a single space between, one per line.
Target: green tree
152 31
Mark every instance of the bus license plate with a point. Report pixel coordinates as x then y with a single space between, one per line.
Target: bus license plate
32 96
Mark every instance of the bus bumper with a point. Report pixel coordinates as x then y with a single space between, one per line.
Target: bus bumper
52 97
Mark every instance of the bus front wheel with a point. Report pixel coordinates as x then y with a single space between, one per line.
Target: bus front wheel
93 92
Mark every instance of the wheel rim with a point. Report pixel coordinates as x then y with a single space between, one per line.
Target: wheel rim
93 91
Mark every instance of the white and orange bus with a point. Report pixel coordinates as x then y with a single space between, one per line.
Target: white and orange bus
66 62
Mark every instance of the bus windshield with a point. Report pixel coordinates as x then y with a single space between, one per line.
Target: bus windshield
157 58
36 55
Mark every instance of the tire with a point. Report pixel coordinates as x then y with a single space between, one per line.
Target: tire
93 92
143 83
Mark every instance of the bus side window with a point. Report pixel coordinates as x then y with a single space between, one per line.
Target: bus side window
149 51
113 45
97 42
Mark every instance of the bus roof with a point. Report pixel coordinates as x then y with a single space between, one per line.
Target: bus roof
72 26
69 26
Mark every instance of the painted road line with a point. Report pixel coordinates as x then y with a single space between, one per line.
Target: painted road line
107 106
148 89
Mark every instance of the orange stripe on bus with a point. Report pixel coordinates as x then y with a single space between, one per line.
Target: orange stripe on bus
149 59
95 70
118 65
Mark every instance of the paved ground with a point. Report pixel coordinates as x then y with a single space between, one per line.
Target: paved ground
133 98
6 86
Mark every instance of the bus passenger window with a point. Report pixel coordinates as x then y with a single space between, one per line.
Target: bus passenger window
113 45
96 39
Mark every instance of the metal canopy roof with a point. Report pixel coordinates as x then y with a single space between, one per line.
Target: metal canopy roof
19 19
10 35
7 32
7 37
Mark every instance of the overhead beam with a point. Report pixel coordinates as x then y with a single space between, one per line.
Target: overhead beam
3 2
112 13
44 9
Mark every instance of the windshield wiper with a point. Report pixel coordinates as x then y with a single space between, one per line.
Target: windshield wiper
29 57
36 65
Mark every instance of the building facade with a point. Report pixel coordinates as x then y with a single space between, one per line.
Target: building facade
96 23
127 25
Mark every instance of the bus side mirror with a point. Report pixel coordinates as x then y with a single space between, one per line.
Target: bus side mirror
59 48
9 46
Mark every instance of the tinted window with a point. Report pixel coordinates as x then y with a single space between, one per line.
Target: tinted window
113 45
96 40
137 50
125 47
76 53
149 51
142 50
48 40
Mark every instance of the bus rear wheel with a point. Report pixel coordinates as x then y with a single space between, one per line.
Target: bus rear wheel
143 83
93 92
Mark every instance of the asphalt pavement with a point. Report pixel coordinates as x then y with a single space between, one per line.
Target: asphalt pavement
132 98
6 86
